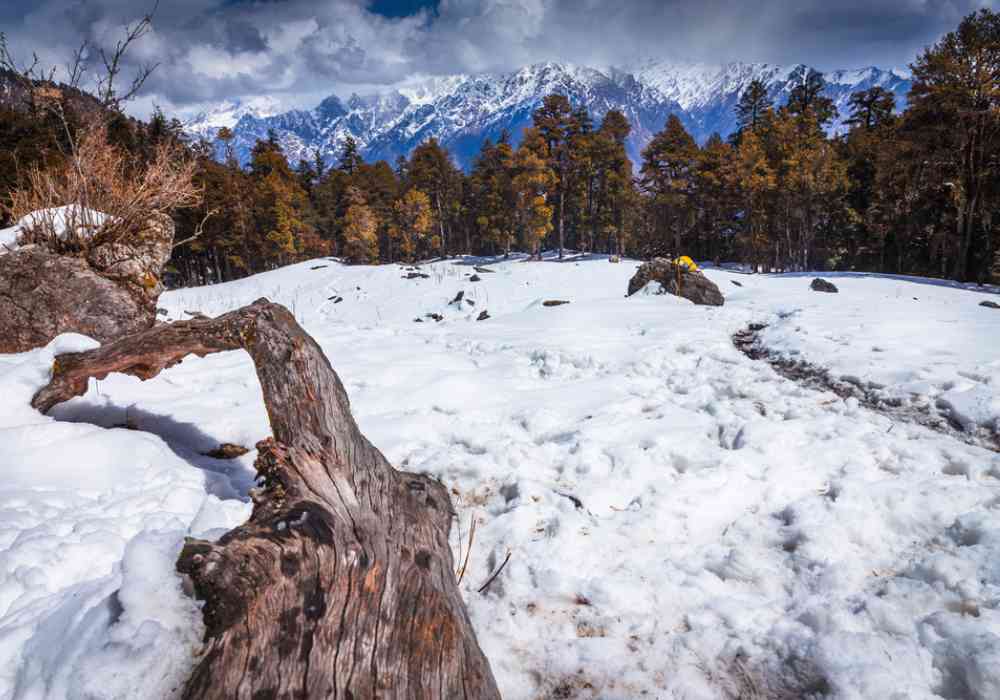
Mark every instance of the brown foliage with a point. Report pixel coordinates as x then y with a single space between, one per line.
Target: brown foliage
95 178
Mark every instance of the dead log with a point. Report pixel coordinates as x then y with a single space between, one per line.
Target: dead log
341 584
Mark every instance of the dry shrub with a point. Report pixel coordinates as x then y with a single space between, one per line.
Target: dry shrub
108 194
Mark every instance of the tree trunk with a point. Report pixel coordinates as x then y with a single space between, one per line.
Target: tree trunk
562 239
341 584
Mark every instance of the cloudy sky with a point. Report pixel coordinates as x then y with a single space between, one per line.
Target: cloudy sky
299 51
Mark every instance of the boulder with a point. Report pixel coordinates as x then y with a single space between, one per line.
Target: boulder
108 291
990 304
43 294
677 280
821 285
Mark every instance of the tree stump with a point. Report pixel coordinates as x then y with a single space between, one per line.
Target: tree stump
341 584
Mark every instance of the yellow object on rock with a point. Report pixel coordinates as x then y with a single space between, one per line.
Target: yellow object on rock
687 263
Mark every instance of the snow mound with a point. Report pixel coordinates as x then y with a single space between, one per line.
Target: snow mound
66 221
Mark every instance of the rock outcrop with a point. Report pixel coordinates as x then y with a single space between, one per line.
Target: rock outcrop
821 285
108 291
677 280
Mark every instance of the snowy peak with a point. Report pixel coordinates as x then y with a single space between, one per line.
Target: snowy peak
228 114
463 110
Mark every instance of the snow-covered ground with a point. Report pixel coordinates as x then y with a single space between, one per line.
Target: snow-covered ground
682 521
62 222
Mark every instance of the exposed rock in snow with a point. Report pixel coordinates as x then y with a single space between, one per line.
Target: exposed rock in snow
821 285
677 280
43 295
110 292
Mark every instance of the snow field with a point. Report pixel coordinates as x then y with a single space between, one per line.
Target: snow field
681 521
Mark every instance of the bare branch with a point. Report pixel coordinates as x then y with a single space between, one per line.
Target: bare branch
199 230
77 67
106 90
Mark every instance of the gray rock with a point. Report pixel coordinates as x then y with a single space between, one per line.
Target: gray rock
43 294
108 291
821 285
990 304
676 280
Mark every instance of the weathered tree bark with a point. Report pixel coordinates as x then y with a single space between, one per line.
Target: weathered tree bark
341 584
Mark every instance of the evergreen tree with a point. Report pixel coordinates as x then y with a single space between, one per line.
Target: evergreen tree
350 159
413 223
871 108
554 123
360 230
807 98
750 174
430 170
532 181
668 172
955 111
753 107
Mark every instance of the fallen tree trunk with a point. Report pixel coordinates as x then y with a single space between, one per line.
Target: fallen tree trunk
341 584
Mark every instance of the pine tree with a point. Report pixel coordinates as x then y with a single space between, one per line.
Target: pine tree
360 230
615 189
430 170
750 174
413 222
554 124
753 107
871 108
532 181
492 196
955 111
668 173
350 159
713 197
807 98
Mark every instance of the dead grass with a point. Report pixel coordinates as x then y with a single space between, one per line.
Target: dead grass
96 177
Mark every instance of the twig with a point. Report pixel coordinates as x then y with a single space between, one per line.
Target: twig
495 573
198 231
468 551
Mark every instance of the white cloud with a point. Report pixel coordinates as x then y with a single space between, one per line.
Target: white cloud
210 50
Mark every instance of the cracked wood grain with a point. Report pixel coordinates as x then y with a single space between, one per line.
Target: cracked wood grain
341 584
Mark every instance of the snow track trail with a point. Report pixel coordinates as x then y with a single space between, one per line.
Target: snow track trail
937 417
682 520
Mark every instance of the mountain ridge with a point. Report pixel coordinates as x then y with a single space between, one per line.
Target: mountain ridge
464 109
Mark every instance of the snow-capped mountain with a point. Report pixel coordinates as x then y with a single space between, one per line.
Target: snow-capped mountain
462 110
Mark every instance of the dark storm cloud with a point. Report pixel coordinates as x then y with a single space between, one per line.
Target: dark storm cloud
298 50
